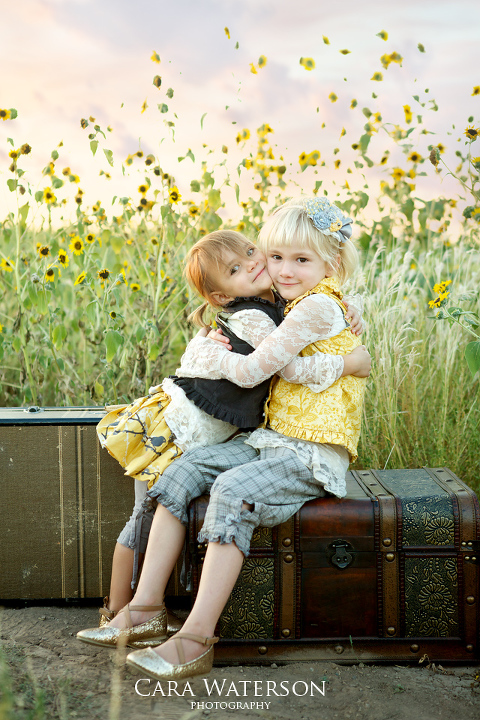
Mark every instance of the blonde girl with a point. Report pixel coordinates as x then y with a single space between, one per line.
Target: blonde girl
182 414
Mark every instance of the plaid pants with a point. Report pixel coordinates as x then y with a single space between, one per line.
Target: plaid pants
273 480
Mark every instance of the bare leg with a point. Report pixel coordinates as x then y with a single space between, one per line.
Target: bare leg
165 544
120 583
219 574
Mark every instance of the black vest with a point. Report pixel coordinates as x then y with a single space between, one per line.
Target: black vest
222 399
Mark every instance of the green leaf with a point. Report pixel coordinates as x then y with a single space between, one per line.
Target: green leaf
12 185
109 156
364 142
154 352
57 183
113 341
10 140
202 119
39 195
93 146
13 113
140 334
472 355
237 192
54 155
214 199
91 312
170 93
16 344
58 336
163 108
318 184
195 186
190 155
23 212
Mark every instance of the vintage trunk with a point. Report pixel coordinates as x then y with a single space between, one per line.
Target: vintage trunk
391 572
63 501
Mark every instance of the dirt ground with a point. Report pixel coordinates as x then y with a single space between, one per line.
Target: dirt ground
53 675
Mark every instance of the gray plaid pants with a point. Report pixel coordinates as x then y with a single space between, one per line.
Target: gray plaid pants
273 480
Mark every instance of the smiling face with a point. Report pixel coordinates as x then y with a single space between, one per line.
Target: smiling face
295 270
242 274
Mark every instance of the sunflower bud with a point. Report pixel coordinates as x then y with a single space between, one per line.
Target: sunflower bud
434 156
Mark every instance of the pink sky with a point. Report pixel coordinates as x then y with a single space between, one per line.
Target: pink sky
67 59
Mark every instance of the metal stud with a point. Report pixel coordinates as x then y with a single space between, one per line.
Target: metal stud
391 630
286 542
470 599
286 632
390 557
387 542
262 650
288 558
469 648
339 649
414 648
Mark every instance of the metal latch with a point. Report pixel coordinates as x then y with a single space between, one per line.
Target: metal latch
340 554
471 548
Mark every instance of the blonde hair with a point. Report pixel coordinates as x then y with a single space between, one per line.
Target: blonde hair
289 224
208 253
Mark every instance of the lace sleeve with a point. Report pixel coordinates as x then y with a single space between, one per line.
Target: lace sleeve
318 371
314 318
355 300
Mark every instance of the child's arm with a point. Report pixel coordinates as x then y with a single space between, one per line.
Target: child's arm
314 318
254 326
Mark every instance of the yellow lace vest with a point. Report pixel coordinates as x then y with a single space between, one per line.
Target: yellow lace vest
332 416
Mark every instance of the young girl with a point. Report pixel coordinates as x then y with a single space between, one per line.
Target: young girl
303 451
182 414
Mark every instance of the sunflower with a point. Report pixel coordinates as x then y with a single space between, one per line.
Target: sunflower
243 135
476 90
78 199
66 171
353 104
262 61
150 159
50 275
76 245
143 189
414 157
174 195
383 160
408 113
155 57
80 278
241 226
90 238
14 154
193 210
309 63
440 287
113 314
398 174
332 97
103 274
129 160
5 114
139 153
383 35
337 163
377 76
134 287
48 196
6 265
63 258
44 251
472 133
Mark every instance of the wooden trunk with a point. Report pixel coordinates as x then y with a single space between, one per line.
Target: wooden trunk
391 572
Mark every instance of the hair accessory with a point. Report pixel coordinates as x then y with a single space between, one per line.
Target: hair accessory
328 218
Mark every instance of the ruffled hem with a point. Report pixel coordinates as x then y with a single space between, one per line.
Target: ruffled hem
169 503
249 422
225 538
328 437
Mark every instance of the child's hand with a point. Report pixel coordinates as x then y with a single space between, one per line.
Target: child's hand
355 319
219 337
357 363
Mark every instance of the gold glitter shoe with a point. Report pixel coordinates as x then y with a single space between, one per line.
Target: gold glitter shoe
174 625
105 614
153 630
147 661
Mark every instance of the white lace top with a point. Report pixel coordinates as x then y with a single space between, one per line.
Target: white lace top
315 318
193 427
